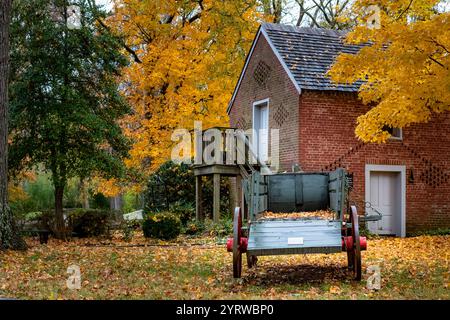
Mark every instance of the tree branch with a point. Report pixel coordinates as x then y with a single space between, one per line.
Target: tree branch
404 11
123 43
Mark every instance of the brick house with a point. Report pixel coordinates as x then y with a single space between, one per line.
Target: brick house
283 85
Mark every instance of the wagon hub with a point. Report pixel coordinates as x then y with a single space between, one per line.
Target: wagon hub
242 246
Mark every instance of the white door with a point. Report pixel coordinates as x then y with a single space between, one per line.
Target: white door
385 197
261 127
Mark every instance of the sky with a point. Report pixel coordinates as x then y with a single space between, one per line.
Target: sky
290 17
291 9
106 3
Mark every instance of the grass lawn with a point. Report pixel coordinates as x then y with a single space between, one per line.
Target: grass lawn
199 268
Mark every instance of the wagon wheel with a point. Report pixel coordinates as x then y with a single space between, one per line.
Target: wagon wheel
237 234
354 256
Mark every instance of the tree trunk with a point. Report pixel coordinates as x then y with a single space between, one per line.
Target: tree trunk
60 226
9 235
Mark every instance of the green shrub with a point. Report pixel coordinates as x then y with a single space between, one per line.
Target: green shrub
38 220
128 228
99 201
89 223
162 225
364 232
173 185
184 211
170 184
433 232
222 229
194 227
32 216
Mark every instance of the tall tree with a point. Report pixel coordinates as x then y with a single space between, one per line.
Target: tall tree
65 100
406 67
187 58
9 237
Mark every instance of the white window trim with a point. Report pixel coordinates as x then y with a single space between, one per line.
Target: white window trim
397 138
256 104
388 168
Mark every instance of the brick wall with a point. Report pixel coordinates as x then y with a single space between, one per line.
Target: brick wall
270 81
327 121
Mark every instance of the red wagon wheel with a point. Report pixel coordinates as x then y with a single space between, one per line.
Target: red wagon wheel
354 255
237 234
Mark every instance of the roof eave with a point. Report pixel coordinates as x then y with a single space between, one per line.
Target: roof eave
263 32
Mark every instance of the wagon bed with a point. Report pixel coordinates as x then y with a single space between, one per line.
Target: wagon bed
294 236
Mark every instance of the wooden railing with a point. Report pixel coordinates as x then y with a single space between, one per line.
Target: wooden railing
234 148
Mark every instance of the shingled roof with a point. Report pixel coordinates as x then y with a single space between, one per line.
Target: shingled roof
306 54
309 54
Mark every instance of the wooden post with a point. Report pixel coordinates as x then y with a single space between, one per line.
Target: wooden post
198 199
233 193
216 198
239 195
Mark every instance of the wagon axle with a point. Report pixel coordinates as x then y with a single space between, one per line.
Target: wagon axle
347 243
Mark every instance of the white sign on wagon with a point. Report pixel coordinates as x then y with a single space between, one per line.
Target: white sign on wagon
295 240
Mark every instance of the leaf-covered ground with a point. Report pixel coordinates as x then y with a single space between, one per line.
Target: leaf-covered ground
411 268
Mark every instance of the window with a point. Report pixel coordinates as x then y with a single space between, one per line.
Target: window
261 129
396 133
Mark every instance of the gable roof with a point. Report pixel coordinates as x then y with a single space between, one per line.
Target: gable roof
306 54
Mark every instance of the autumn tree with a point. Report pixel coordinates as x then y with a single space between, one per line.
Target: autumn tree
65 101
187 58
405 64
9 236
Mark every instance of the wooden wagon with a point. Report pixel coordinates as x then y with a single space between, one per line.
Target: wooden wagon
296 192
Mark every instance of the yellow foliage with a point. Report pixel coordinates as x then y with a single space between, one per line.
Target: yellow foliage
191 54
406 66
15 189
109 188
113 187
16 193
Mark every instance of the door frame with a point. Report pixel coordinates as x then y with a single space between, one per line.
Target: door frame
254 106
390 168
